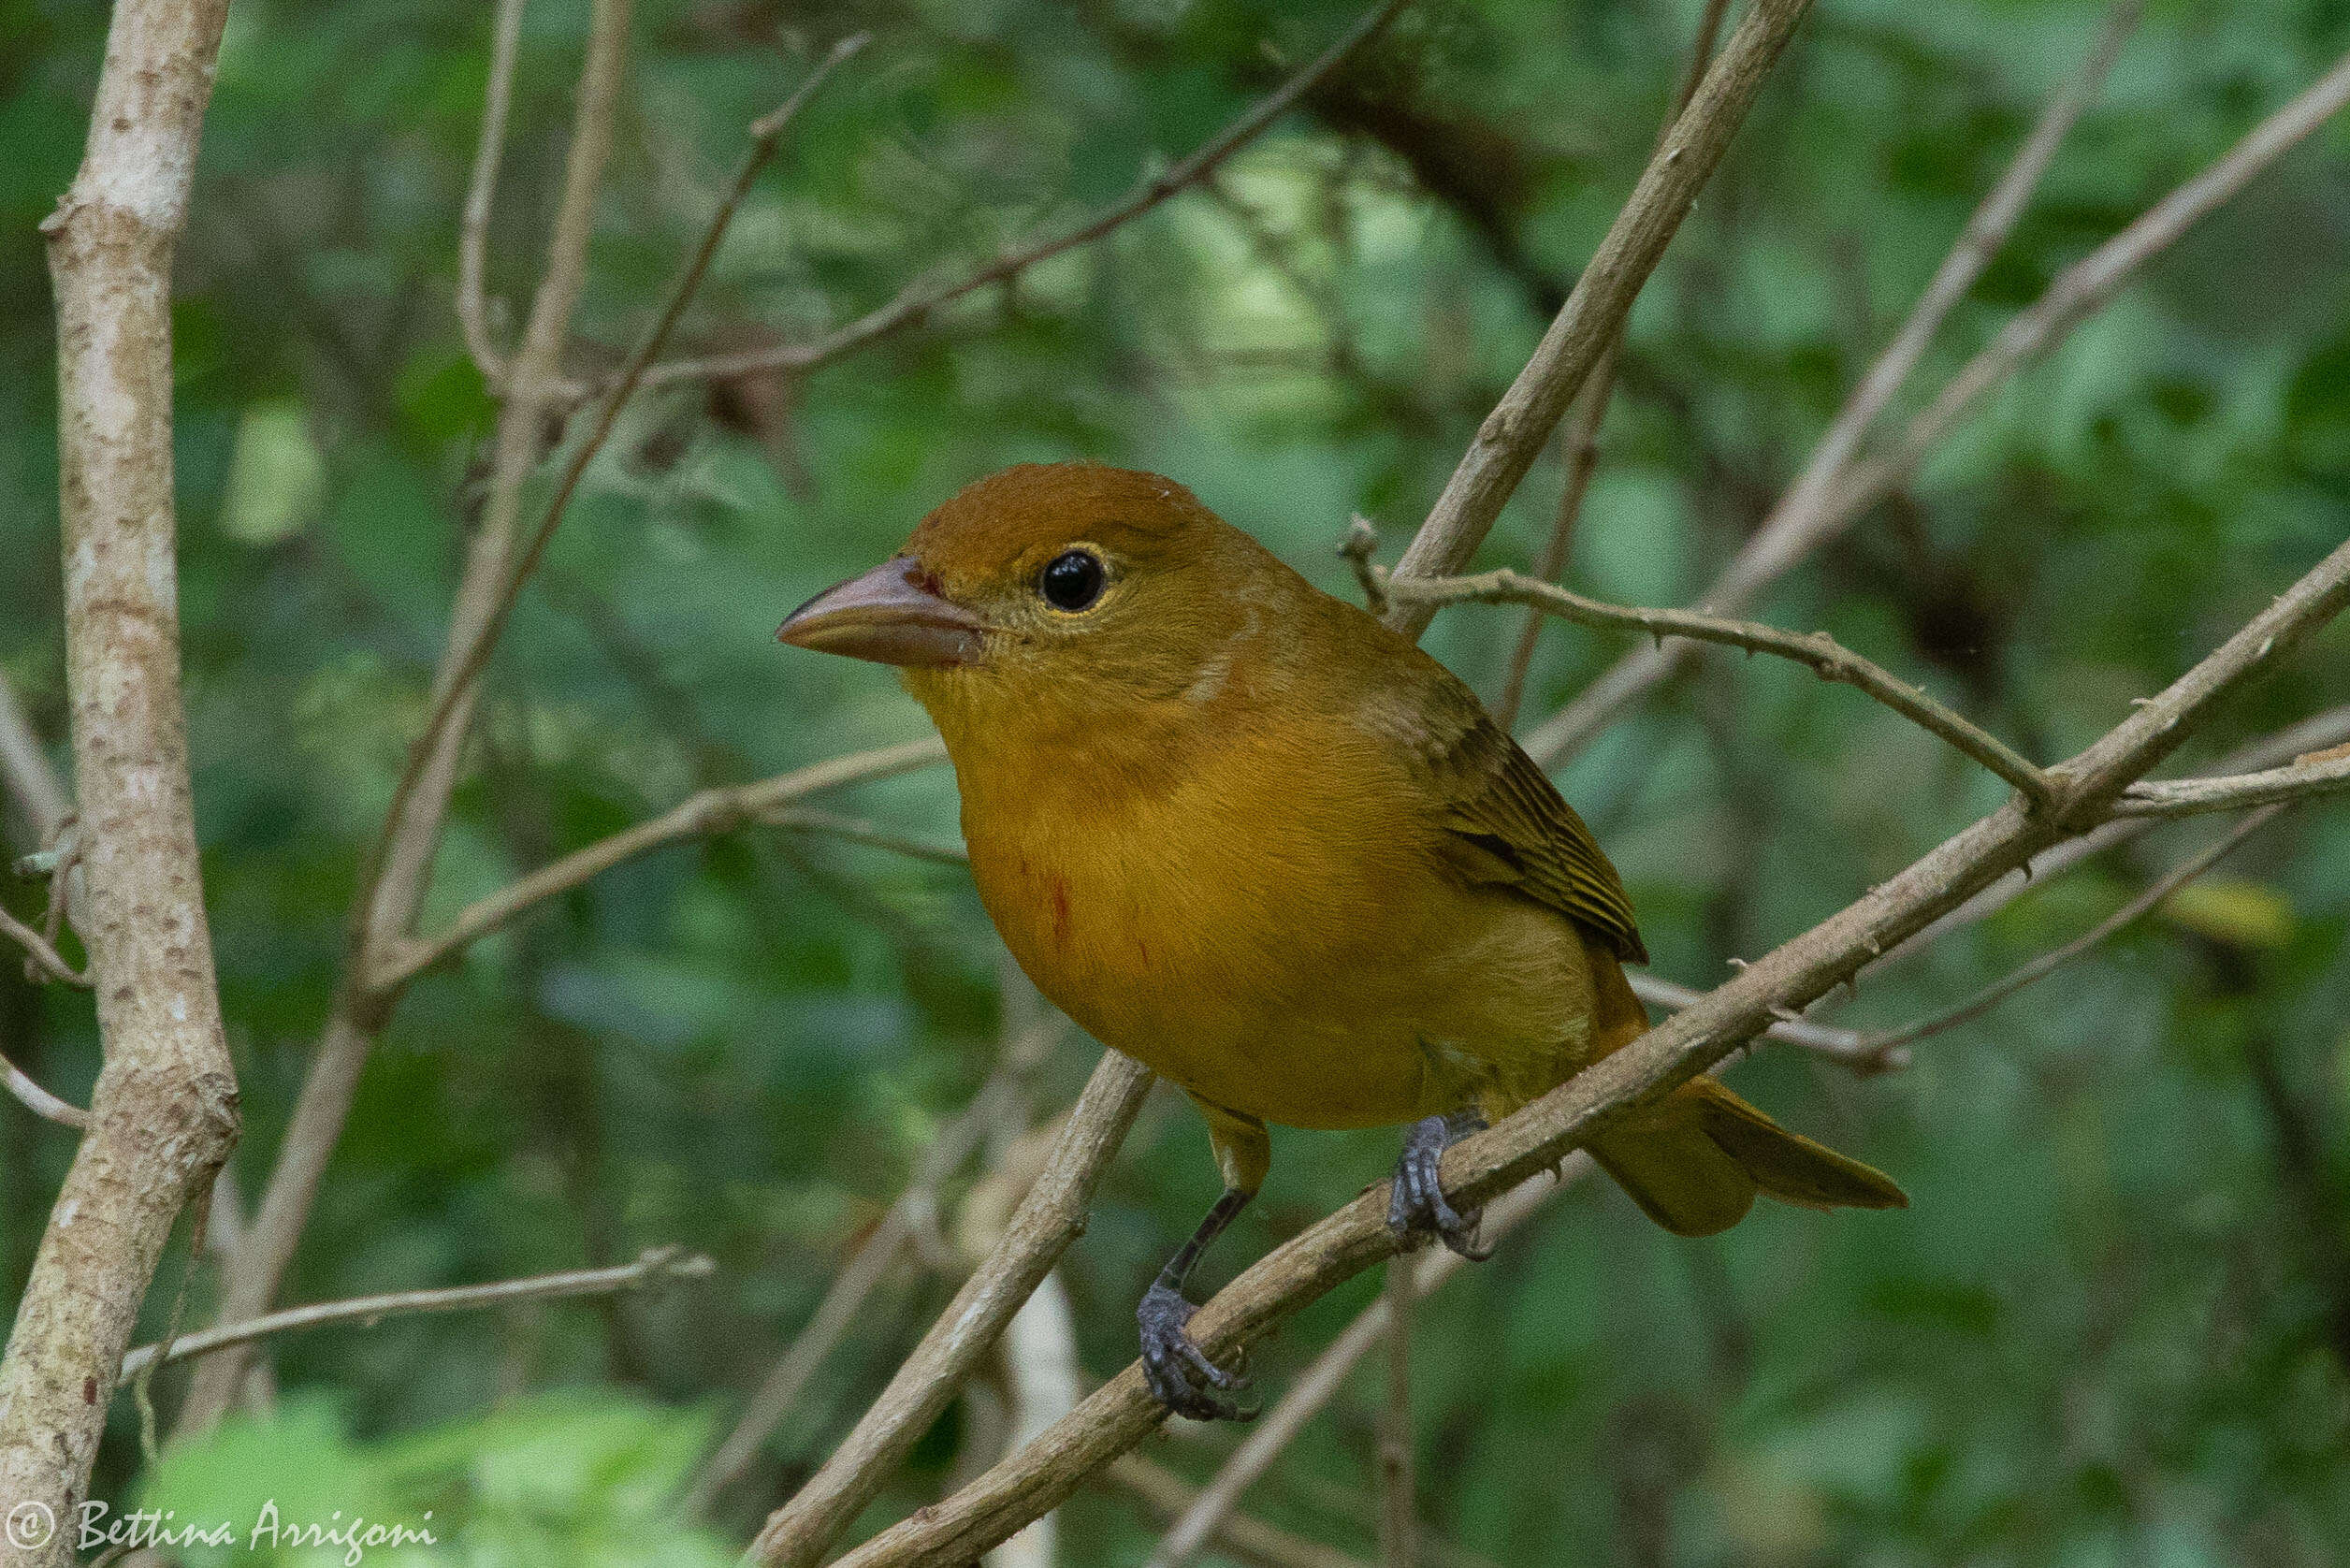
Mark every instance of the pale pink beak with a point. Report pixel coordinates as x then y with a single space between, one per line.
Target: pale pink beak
893 615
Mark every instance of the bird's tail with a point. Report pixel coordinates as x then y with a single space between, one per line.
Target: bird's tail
1694 1160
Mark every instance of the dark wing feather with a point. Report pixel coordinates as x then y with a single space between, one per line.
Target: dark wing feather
1509 826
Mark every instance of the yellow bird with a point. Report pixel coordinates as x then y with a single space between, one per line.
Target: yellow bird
1247 834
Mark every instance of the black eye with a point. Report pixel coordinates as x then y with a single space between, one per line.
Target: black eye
1071 580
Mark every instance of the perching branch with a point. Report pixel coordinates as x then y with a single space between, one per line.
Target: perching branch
655 1266
1480 1167
2008 985
1046 1221
1846 1047
1822 654
1514 433
472 243
1272 1434
163 1115
918 300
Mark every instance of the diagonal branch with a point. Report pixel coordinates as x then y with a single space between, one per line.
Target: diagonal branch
2189 797
473 244
1822 654
41 957
1046 1221
1582 451
1512 435
1837 494
710 811
654 1266
39 1101
2023 975
918 300
399 866
1483 1166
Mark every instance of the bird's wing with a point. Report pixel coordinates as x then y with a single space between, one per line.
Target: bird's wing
1510 827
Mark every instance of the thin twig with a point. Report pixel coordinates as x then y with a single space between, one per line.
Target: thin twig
1048 1219
655 1266
898 1229
1515 432
472 243
1582 443
399 863
919 300
1480 1168
39 1101
1398 1527
2000 990
26 775
455 693
2189 797
1819 651
707 812
1167 1495
41 959
1842 1046
1844 492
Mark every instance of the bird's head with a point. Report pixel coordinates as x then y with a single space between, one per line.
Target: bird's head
1064 585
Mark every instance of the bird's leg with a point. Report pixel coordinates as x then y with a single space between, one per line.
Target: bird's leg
1179 1371
1417 1204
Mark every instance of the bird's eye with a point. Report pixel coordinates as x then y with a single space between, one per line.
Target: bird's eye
1071 580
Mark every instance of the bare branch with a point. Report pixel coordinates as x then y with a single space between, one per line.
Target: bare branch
710 811
898 1229
1048 1219
1206 1515
1846 1047
920 300
163 1115
2324 730
39 1101
1506 444
454 695
2189 797
393 886
1815 508
1399 1527
1822 654
1250 1540
472 243
2008 985
1480 1167
26 775
1582 444
653 1266
41 958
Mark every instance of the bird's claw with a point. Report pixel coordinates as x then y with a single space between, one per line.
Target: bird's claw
1181 1375
1418 1206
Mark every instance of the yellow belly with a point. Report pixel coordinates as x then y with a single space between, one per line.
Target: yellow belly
1325 975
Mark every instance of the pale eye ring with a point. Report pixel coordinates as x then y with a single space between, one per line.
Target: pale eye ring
1073 580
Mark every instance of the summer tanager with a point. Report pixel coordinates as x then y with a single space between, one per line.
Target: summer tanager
1244 832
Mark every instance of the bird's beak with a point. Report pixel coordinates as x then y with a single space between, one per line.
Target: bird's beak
888 616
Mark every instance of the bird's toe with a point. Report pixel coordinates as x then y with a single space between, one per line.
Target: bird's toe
1417 1205
1180 1374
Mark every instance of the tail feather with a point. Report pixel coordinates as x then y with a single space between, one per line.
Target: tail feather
1694 1160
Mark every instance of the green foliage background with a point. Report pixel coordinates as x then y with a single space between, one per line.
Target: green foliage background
2111 1330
